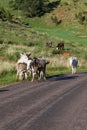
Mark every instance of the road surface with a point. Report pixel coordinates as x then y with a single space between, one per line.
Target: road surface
59 103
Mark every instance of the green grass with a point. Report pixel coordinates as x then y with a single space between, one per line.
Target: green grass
71 35
56 70
10 77
51 71
7 78
68 33
4 3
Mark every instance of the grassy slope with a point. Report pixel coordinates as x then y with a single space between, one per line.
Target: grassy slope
67 31
4 3
70 30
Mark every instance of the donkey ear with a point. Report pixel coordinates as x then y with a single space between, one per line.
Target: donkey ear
21 54
47 62
35 57
29 54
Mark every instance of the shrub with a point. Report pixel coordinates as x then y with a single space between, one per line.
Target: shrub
66 3
25 23
56 20
1 41
85 3
5 15
82 17
10 42
2 14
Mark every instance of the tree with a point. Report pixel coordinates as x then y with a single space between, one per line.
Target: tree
31 7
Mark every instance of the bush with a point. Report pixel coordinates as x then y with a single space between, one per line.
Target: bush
67 3
56 20
1 41
5 15
82 17
85 3
25 23
10 42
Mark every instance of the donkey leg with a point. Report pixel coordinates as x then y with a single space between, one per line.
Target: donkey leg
72 70
17 75
33 75
25 75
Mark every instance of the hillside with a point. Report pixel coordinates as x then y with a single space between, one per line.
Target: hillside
67 11
70 30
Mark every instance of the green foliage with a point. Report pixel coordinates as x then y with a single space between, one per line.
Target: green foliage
85 2
7 77
32 8
53 4
82 17
1 41
5 15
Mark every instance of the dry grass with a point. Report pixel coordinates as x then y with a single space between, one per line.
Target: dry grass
58 61
6 66
20 48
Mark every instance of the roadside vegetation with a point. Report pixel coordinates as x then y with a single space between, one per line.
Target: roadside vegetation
19 33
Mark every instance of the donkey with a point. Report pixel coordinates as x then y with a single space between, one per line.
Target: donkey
60 46
23 66
39 65
73 63
21 71
49 43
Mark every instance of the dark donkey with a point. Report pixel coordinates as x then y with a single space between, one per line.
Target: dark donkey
60 46
39 65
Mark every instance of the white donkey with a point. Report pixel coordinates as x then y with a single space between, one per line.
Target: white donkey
24 58
73 63
23 66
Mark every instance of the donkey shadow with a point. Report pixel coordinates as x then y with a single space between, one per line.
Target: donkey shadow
3 90
61 77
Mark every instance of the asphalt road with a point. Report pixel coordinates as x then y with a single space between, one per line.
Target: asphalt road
59 103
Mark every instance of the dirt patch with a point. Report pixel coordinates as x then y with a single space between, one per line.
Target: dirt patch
65 54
